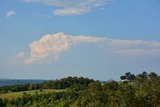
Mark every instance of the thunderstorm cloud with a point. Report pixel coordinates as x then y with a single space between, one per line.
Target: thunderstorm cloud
50 46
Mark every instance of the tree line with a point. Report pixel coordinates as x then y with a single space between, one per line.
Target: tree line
142 90
55 84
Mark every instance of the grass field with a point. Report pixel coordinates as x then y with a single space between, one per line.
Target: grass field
12 95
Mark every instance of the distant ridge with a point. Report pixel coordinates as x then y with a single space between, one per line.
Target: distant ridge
6 82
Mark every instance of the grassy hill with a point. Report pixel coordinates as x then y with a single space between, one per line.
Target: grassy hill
14 95
141 91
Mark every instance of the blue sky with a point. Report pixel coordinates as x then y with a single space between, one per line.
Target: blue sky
99 39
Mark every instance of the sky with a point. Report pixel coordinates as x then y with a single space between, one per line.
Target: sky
98 39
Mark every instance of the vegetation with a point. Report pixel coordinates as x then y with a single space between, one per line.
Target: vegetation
142 90
12 95
56 84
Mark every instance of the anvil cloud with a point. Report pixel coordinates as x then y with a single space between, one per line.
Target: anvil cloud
50 46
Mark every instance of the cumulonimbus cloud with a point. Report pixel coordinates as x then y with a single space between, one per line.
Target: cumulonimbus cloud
71 7
54 44
50 46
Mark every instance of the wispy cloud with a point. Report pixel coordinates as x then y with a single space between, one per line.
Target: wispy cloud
10 13
18 58
140 52
50 46
71 7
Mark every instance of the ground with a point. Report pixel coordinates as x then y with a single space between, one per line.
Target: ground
12 95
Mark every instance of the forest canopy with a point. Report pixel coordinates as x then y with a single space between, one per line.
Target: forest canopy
142 90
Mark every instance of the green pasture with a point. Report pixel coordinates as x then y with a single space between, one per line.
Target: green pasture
11 95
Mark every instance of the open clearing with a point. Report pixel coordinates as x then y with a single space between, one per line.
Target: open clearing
12 95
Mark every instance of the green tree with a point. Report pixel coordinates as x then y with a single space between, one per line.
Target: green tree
122 77
93 96
2 103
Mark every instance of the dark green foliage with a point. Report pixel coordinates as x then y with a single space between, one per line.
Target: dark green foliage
2 103
110 85
123 77
70 81
93 96
56 84
142 91
128 76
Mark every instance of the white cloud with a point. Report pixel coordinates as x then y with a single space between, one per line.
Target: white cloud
50 47
10 13
71 11
140 52
136 47
71 7
54 44
129 43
